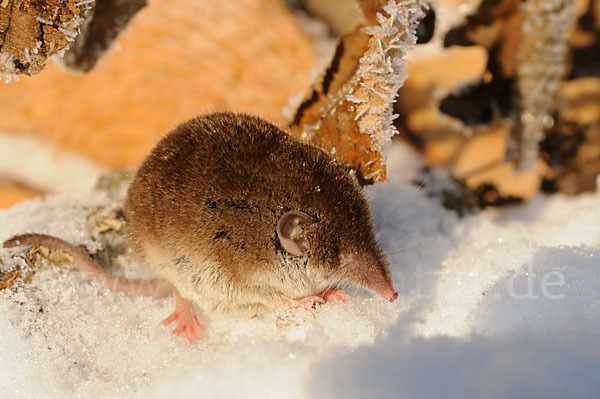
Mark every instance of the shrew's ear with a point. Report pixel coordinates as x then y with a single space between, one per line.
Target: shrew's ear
291 230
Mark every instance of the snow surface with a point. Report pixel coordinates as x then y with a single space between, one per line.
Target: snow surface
46 167
499 304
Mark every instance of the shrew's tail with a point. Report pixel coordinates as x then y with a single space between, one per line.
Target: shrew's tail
83 262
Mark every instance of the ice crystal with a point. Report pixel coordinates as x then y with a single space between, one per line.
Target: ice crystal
382 69
539 66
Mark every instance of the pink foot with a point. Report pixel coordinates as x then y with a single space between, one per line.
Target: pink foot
307 302
187 321
331 294
334 294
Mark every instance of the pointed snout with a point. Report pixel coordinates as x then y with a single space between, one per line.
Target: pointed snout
384 287
370 274
390 294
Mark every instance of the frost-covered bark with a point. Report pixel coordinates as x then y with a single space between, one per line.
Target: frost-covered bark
382 71
80 30
349 112
540 62
31 31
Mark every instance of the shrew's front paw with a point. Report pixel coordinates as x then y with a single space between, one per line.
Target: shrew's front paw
187 322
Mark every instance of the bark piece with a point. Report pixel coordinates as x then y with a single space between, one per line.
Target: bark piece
342 16
8 278
105 21
572 145
520 98
481 165
31 31
349 111
435 133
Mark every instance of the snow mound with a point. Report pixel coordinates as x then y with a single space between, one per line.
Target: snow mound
499 304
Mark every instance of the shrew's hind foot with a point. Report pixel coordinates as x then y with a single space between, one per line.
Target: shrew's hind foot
187 322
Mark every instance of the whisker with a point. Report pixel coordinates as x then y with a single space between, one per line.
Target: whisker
402 250
400 201
334 279
399 251
396 239
329 288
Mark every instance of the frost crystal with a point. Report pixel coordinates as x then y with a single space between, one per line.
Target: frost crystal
382 70
539 66
31 36
7 68
350 108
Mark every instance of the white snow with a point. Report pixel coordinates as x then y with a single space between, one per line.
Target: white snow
469 321
45 167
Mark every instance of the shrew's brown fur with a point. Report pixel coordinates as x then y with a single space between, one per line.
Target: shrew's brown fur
204 206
